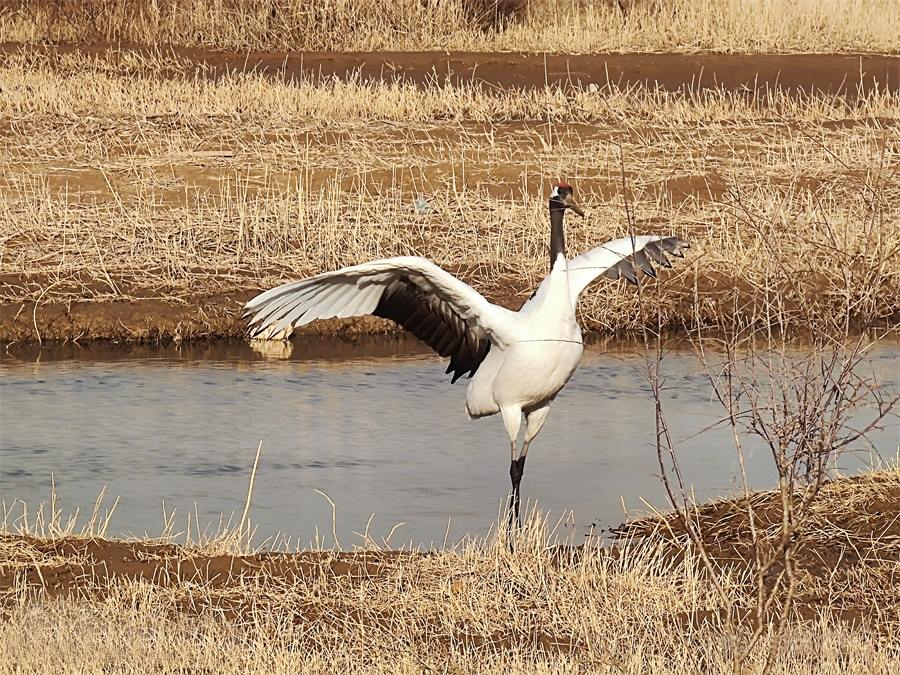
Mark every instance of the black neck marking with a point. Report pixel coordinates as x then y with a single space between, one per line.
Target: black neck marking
557 232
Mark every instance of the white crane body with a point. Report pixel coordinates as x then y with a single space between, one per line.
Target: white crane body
543 355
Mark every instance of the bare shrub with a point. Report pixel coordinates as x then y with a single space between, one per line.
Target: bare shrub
804 402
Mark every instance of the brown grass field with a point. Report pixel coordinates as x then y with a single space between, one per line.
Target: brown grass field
571 26
165 161
75 601
148 193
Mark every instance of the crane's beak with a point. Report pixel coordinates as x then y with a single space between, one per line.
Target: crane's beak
570 203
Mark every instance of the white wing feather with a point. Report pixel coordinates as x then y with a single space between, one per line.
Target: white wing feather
611 257
357 290
583 269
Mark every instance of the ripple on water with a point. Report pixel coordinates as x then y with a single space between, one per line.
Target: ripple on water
379 432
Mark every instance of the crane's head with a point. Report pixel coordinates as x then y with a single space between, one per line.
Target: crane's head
561 199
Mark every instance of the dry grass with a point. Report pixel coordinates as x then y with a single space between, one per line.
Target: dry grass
488 25
134 84
73 601
114 195
849 541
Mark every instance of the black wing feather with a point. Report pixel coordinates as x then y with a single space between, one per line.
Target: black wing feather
436 324
656 251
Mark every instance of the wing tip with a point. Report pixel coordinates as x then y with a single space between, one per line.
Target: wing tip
675 245
641 261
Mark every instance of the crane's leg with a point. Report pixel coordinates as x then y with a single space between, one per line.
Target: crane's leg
512 420
534 420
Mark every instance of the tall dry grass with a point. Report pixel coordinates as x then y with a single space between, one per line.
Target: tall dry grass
486 25
240 239
451 613
127 184
474 607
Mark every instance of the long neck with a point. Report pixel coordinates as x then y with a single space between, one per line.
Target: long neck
557 234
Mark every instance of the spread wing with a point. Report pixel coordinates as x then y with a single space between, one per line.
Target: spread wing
614 259
447 314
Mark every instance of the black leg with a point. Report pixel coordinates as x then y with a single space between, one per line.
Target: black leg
515 477
516 469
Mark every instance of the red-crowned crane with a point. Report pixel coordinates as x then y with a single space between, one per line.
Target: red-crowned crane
517 361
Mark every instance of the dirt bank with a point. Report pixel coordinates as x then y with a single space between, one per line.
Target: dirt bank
152 319
845 564
146 320
850 540
830 73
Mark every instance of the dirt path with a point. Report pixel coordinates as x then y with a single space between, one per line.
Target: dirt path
834 73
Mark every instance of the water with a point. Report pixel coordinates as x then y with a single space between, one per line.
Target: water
375 426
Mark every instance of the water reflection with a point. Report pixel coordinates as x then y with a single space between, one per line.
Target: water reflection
375 425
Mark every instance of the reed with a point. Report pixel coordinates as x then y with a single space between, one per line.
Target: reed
484 25
82 603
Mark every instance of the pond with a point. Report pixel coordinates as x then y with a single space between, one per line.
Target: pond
373 424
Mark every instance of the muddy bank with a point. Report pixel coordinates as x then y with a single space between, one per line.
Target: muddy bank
847 74
205 316
849 545
200 316
213 316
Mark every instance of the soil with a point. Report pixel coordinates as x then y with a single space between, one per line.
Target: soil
167 565
509 181
833 73
849 539
155 320
174 319
844 569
